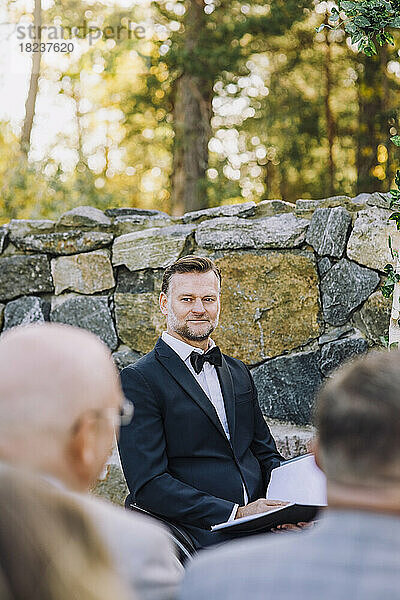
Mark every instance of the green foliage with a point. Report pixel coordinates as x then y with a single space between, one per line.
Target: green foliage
366 21
391 280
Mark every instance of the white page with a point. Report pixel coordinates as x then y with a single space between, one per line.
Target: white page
299 481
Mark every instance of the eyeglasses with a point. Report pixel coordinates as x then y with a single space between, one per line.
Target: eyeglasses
119 418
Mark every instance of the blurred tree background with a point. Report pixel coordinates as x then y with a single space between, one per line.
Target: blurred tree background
194 104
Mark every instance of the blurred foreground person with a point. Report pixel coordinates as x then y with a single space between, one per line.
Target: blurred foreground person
49 548
354 551
59 401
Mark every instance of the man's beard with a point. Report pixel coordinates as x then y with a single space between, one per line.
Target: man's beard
186 333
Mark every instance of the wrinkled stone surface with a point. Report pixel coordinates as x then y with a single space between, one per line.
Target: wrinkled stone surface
70 242
305 208
270 208
230 233
374 199
21 227
86 273
91 313
344 288
368 242
152 248
131 212
287 386
3 236
328 229
335 333
247 209
335 353
291 440
270 304
139 320
324 264
84 216
137 282
373 318
124 356
129 224
25 310
21 275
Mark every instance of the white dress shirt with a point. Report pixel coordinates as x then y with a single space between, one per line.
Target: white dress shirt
209 382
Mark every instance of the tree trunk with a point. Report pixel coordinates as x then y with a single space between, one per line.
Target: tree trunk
330 123
192 113
371 128
33 85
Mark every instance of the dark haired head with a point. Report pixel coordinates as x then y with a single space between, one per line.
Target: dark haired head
358 420
189 264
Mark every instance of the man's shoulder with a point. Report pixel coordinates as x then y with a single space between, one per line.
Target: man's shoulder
107 514
126 531
143 364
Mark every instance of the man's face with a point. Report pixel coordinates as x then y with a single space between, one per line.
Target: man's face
192 305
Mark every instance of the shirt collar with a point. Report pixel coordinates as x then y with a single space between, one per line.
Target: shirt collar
182 349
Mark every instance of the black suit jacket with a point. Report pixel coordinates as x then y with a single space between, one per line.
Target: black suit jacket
176 458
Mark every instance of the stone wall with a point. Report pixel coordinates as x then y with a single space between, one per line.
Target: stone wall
300 287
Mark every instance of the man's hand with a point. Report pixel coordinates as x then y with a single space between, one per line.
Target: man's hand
258 506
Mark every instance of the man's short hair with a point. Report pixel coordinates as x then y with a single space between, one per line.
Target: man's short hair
189 264
358 420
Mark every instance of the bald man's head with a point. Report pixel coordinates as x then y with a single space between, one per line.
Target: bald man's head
54 380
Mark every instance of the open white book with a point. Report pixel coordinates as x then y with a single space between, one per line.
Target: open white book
300 483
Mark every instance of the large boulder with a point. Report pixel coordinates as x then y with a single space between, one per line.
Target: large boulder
373 318
22 275
344 288
246 209
335 353
139 320
138 317
62 242
270 303
22 227
85 217
287 386
25 310
328 229
128 224
368 243
230 233
86 273
152 248
91 313
305 207
270 208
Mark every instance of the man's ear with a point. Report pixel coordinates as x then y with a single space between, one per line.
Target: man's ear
163 300
82 449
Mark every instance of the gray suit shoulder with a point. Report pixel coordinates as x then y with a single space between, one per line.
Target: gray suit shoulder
141 548
348 555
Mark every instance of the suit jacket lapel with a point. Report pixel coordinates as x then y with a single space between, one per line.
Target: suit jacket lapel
179 371
228 394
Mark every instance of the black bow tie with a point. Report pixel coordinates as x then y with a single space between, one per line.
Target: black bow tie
212 356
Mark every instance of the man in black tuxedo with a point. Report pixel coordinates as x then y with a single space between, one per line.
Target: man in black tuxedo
198 451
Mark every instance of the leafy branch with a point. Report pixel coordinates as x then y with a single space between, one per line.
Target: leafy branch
366 21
